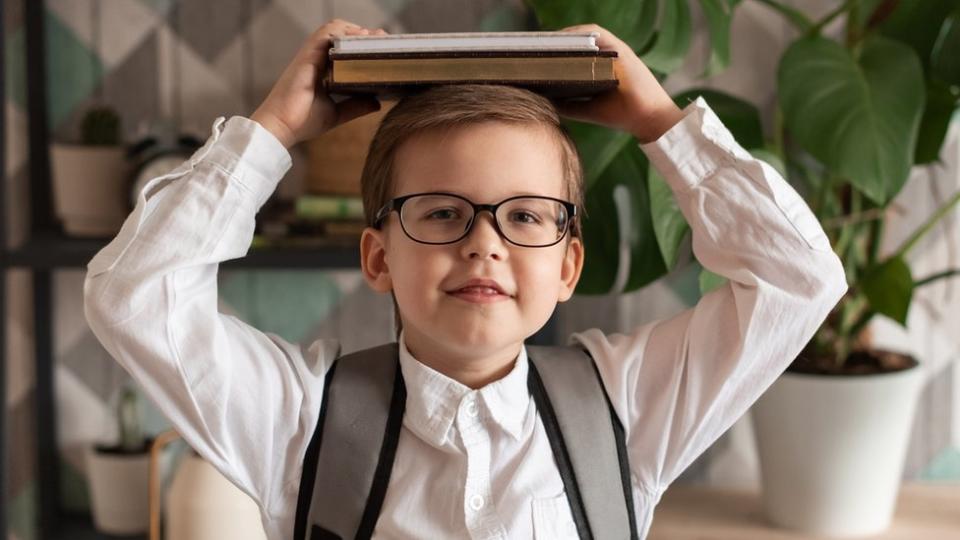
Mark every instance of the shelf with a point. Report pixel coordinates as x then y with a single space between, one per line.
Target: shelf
50 251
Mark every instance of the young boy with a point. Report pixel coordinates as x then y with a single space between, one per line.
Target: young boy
473 459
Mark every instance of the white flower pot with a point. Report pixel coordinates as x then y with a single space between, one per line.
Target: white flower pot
201 504
118 491
91 186
832 448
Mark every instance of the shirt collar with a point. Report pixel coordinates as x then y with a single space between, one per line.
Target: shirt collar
434 398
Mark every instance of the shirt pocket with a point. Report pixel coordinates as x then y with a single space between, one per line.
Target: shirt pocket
552 519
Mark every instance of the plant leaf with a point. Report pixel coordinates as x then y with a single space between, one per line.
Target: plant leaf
718 13
945 56
598 145
942 100
669 225
710 281
633 256
859 118
917 23
630 20
889 288
673 38
741 117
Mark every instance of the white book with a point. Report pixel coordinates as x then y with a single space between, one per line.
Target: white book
467 41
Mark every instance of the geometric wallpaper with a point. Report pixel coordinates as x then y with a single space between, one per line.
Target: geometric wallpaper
184 63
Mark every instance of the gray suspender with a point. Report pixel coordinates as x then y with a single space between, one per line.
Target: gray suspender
344 481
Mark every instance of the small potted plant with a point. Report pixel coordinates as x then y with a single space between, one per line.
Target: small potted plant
91 177
118 474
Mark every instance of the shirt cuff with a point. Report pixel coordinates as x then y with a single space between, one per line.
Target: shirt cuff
694 148
249 153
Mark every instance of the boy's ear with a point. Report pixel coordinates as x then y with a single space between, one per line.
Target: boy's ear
373 260
571 268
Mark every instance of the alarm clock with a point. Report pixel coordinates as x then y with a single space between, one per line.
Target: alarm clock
154 158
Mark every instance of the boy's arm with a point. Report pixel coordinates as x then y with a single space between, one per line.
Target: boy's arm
243 399
678 384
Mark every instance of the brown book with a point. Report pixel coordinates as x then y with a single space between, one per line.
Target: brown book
555 72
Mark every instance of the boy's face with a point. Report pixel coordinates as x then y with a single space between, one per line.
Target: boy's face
486 163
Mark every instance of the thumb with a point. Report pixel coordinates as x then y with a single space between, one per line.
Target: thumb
355 107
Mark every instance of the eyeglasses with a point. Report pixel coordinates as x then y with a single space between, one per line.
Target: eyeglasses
445 218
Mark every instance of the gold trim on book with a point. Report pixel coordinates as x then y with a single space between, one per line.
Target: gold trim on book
513 69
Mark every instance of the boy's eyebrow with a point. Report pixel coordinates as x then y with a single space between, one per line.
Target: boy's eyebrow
467 196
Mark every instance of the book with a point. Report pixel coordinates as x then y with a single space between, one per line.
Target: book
556 64
328 207
457 41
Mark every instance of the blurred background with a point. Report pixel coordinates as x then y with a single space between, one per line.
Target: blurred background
169 67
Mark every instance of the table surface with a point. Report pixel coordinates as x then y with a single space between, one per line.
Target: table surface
927 511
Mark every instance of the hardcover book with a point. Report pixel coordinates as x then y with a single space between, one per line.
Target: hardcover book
556 64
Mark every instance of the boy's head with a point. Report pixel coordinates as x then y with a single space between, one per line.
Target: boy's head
485 144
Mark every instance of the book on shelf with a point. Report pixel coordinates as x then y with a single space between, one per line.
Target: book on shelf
556 64
328 207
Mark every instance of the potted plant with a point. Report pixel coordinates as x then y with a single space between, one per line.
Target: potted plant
832 431
118 473
91 177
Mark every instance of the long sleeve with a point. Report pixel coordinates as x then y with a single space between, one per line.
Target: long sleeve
243 399
678 384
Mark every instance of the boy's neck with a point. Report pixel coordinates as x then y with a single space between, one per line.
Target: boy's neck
471 371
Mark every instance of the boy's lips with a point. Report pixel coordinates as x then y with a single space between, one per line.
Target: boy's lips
479 290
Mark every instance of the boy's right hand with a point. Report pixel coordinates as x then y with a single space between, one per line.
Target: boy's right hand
297 108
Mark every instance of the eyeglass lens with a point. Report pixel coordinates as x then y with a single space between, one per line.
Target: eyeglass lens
528 221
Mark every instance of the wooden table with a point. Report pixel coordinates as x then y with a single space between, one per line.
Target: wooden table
924 512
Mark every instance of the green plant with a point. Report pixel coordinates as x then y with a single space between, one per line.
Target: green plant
128 421
892 83
100 126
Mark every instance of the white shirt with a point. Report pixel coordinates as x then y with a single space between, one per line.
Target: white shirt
248 401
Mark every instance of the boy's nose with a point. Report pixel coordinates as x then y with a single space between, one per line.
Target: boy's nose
483 240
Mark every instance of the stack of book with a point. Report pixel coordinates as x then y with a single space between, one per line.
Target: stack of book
555 64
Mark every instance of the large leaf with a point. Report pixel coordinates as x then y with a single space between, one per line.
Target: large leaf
741 117
669 225
860 118
889 288
718 13
632 21
945 56
621 247
673 38
942 99
917 23
597 146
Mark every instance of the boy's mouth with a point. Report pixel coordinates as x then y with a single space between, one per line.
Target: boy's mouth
479 291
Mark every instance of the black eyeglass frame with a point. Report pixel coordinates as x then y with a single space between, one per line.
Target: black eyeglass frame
397 203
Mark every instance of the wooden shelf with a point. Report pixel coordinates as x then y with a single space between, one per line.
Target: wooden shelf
925 511
50 251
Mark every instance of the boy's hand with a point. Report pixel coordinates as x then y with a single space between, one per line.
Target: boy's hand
639 105
296 108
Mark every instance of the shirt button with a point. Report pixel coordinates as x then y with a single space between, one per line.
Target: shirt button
476 502
472 409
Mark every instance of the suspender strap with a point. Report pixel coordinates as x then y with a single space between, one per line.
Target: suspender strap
363 408
593 463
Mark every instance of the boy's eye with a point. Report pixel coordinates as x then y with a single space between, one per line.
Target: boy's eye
524 217
443 214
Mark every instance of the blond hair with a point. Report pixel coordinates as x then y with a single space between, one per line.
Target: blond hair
452 106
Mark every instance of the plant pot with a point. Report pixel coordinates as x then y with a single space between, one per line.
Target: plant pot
118 490
832 448
201 504
90 188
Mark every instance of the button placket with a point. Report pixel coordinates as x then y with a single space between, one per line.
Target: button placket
479 515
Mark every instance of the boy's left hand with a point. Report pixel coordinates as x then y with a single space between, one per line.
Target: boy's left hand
638 105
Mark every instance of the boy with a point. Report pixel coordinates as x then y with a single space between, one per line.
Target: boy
472 459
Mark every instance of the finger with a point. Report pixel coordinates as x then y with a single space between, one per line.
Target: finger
355 107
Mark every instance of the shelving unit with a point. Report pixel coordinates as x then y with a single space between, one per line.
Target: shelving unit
48 250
